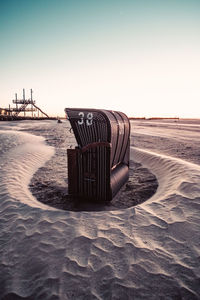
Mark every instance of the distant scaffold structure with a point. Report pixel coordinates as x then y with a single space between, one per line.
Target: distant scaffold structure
24 109
21 106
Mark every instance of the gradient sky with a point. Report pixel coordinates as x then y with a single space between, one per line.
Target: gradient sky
139 57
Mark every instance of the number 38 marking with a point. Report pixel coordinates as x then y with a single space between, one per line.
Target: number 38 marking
88 120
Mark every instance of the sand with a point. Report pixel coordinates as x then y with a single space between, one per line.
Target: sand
148 251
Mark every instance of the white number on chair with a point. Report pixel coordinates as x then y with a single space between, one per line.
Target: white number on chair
80 122
88 121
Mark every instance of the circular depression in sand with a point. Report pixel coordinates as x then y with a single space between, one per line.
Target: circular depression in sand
142 184
49 183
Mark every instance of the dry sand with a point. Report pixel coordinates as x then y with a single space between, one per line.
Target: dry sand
149 251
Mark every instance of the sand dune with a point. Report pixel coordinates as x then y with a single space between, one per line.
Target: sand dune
147 252
174 175
20 162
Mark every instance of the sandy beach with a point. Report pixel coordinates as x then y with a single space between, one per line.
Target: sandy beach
145 245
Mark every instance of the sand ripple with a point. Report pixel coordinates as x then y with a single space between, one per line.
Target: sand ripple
147 252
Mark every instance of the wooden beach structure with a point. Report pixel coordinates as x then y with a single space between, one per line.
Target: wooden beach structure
99 166
23 109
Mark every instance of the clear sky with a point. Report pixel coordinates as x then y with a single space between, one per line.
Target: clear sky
140 57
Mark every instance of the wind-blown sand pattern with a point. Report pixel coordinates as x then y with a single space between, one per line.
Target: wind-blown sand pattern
150 251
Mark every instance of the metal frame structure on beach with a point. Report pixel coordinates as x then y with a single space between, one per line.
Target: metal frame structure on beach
25 106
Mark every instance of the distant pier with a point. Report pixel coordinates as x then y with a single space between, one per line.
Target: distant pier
25 109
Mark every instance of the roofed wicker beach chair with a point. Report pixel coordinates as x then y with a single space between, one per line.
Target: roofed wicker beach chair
99 166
